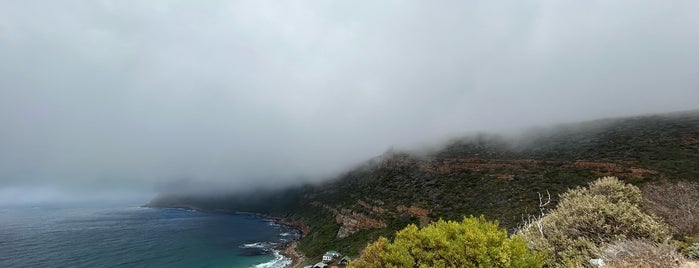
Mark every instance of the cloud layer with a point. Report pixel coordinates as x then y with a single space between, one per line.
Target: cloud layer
150 95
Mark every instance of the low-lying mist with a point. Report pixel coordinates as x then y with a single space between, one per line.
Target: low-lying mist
228 96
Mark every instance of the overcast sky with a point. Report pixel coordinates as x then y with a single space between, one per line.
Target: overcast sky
143 96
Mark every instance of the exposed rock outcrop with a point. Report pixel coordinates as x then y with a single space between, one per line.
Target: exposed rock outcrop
352 222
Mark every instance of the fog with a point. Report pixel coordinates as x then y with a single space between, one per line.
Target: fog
111 97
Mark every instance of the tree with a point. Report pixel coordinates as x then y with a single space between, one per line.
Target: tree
474 242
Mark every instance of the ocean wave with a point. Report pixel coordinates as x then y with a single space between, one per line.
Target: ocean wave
279 261
259 245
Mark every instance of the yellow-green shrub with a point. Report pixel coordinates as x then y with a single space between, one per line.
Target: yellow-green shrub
586 218
474 242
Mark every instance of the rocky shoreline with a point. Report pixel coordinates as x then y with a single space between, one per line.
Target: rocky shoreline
289 249
297 259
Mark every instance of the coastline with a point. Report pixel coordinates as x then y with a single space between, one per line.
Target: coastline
287 249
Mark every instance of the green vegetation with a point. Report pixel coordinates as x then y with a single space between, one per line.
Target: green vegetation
603 220
587 218
474 242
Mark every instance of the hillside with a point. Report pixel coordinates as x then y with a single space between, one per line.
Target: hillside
492 175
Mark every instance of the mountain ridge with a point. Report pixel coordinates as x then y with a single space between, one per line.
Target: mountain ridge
494 175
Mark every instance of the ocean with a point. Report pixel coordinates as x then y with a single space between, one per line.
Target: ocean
133 236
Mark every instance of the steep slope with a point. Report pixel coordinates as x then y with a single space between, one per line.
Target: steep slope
501 178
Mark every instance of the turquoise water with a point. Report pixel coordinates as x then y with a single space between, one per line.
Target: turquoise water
131 236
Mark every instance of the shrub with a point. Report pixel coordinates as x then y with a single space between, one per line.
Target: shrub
616 191
641 254
678 204
474 242
586 218
692 251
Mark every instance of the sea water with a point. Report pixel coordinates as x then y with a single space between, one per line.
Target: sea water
132 236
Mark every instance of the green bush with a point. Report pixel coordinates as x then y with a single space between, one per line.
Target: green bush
587 218
474 242
616 191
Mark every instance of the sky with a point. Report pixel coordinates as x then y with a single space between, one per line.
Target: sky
110 98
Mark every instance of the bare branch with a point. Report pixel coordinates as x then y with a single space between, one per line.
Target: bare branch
543 203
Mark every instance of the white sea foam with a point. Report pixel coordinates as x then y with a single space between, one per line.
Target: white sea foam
279 261
256 245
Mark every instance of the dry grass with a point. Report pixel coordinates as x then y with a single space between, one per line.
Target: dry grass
641 254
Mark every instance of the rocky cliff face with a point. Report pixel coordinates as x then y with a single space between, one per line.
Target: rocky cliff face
351 222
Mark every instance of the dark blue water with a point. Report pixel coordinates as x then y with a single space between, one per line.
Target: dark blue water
131 236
